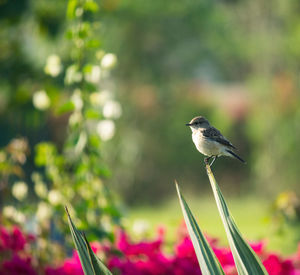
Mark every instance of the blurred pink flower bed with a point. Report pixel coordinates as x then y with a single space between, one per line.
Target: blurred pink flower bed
127 257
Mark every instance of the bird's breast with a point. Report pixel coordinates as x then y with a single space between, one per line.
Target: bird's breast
206 146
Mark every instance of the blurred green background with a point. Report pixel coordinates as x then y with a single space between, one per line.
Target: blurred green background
236 62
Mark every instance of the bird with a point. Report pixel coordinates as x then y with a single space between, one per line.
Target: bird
209 141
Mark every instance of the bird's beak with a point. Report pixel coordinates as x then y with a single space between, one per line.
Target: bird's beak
188 124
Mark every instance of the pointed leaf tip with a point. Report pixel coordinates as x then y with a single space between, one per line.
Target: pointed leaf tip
67 210
177 188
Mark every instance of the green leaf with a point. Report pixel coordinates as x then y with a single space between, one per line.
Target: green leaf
72 4
87 68
44 153
90 263
246 261
84 30
208 261
69 34
93 43
66 108
92 114
91 6
99 267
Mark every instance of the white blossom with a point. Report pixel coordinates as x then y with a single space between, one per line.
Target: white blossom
79 12
41 100
9 211
19 217
12 213
40 189
91 217
54 197
19 190
94 75
75 118
53 65
140 227
100 98
43 212
108 61
112 109
106 222
106 129
77 100
73 75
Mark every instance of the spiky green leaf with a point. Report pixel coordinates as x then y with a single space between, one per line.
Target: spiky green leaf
208 261
246 261
90 263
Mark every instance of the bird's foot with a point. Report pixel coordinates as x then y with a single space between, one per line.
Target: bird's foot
214 158
206 160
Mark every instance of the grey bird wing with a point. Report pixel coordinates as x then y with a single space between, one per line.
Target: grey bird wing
215 135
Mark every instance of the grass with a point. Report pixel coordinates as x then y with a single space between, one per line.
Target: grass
250 214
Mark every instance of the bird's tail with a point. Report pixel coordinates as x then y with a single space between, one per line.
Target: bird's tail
235 155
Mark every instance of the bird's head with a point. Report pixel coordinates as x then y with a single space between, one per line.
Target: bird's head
198 122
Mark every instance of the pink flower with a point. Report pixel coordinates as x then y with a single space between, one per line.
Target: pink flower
4 239
72 266
182 266
224 256
144 258
30 238
122 266
185 249
258 247
146 248
54 270
276 266
287 267
17 266
139 258
18 240
14 241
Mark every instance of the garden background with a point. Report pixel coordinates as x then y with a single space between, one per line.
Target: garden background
94 97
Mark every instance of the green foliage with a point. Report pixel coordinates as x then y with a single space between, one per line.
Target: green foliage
70 169
12 158
208 261
76 174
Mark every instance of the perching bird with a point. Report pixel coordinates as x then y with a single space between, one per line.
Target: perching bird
209 141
